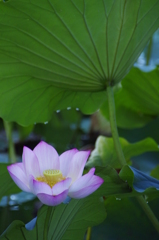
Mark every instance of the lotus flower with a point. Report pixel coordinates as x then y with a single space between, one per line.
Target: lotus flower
53 178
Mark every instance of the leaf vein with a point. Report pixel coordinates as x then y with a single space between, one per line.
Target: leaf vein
61 42
94 46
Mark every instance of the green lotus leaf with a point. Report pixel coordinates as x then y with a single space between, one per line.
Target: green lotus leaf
155 172
58 54
126 220
66 221
138 100
105 154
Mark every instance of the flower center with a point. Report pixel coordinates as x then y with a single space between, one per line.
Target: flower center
51 177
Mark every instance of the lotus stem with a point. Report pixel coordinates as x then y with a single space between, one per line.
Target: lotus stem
114 130
148 212
8 130
120 155
88 236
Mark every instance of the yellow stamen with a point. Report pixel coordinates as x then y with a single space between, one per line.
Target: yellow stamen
51 177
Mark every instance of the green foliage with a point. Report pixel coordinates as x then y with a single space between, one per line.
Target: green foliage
128 183
137 101
7 186
113 184
14 231
24 131
60 54
126 220
155 172
67 221
140 182
62 130
20 209
105 154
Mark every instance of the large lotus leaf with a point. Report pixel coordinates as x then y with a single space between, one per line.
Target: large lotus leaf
126 220
138 100
67 221
105 154
57 54
7 186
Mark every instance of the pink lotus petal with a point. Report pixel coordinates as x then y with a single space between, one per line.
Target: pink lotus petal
81 190
77 165
65 161
31 163
51 200
17 173
41 187
60 187
30 181
47 156
82 181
